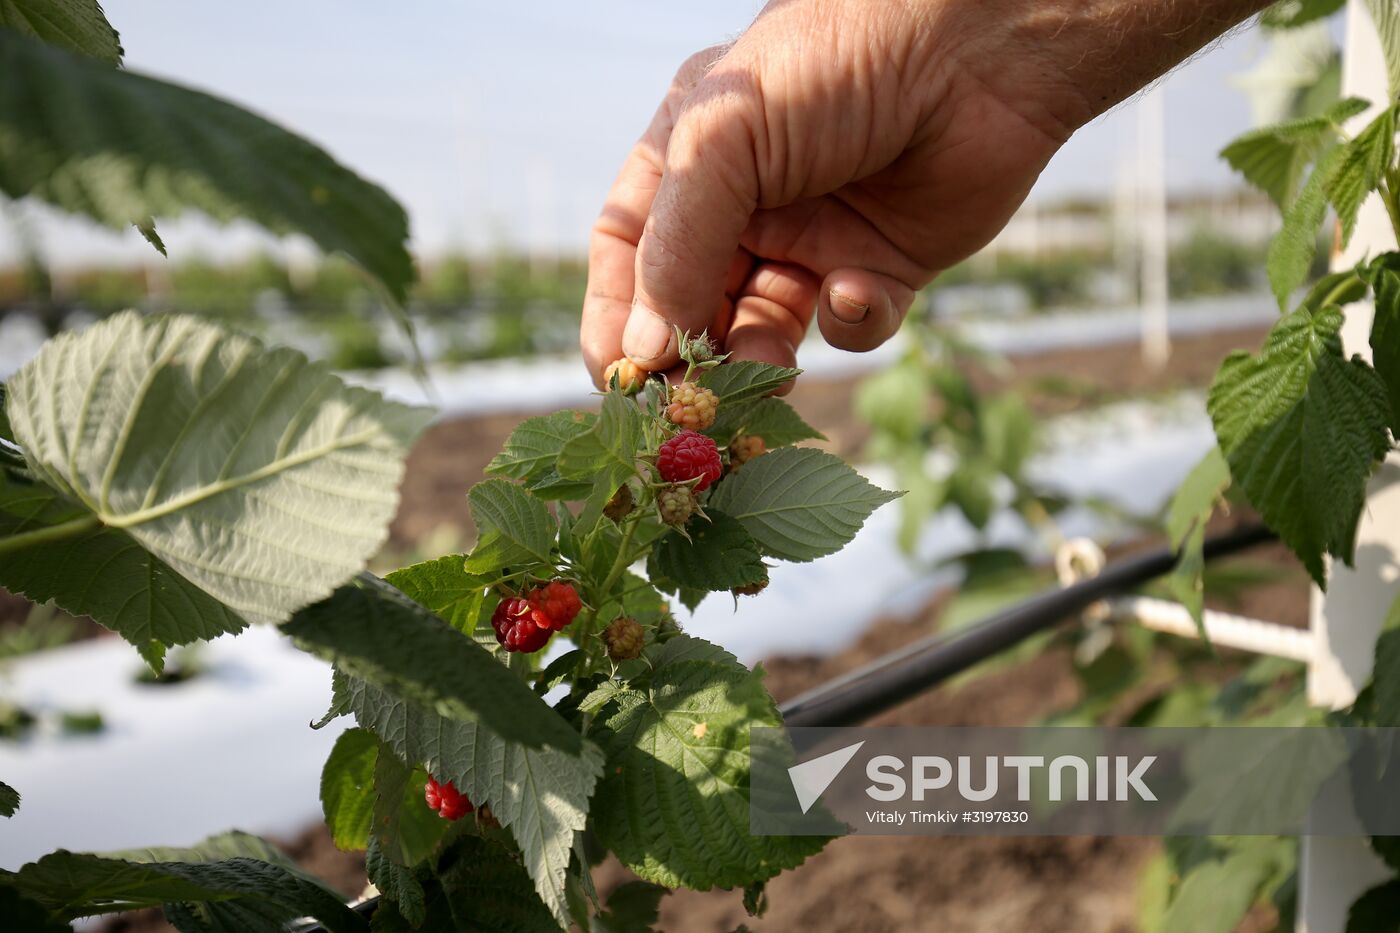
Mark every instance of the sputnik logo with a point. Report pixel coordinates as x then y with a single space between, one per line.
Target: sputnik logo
811 778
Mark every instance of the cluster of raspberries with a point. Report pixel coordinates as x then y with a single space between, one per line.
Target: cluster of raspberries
447 800
525 622
692 406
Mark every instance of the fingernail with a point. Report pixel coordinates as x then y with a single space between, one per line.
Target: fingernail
648 335
847 309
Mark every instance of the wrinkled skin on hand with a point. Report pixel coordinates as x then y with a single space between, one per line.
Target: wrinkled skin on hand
842 152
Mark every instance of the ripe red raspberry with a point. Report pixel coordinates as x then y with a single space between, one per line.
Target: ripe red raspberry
630 376
624 638
555 604
744 449
689 456
515 626
692 406
676 504
447 800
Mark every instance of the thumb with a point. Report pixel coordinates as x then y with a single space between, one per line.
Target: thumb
708 192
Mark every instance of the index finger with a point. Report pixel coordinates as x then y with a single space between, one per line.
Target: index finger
612 250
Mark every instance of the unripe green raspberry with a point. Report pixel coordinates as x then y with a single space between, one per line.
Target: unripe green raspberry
699 349
676 504
624 638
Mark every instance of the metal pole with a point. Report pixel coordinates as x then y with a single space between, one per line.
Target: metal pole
1152 227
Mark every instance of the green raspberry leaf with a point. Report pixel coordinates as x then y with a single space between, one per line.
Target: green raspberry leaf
1292 249
24 914
799 503
9 800
514 527
347 788
372 631
487 891
772 419
1385 332
1302 428
609 444
745 379
1385 677
720 555
674 802
632 908
533 447
122 148
1275 158
72 885
604 455
1187 516
162 434
1362 165
396 883
540 795
1386 15
407 832
76 25
444 586
1215 894
969 487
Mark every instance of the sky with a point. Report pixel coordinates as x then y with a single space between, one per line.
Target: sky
501 125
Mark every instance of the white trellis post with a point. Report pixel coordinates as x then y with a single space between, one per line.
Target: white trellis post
1347 618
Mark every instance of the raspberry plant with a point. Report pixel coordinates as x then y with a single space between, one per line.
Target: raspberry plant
1301 427
176 481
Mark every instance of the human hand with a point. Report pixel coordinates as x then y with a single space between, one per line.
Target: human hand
842 152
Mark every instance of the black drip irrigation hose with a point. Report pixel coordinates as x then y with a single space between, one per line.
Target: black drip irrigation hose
902 674
925 664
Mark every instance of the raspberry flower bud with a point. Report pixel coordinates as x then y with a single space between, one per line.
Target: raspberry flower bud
676 504
624 638
744 449
698 352
620 505
630 376
692 406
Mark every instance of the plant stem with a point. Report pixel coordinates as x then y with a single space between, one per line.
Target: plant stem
1388 189
623 559
620 563
48 534
1338 289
